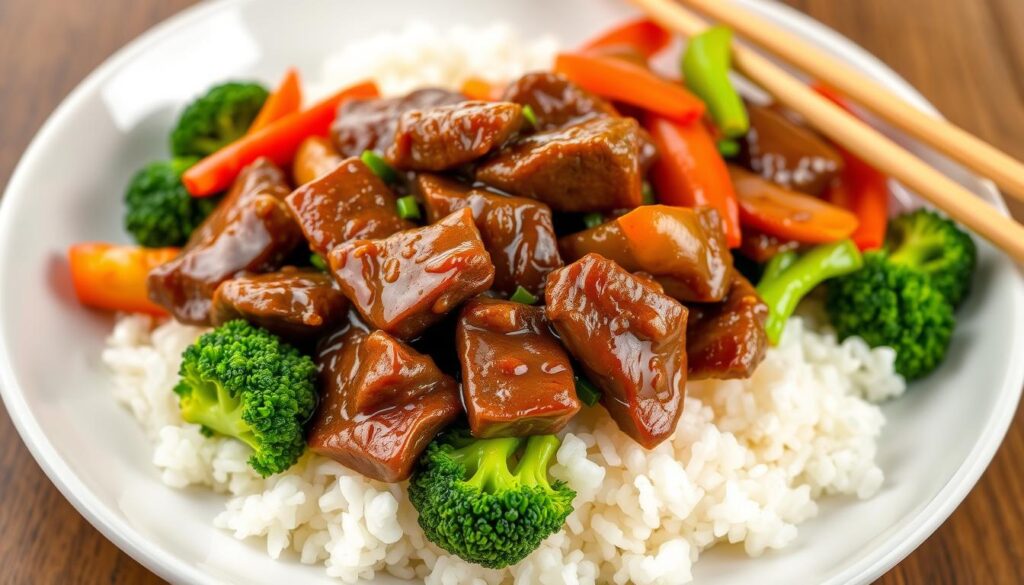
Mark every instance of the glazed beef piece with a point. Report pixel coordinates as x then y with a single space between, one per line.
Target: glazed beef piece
446 137
590 166
370 124
381 403
299 305
410 280
316 157
629 339
683 249
348 203
250 231
786 153
727 340
516 378
517 232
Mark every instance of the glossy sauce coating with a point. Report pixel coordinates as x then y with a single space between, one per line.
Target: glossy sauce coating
590 166
348 203
410 280
683 249
727 340
316 157
381 403
630 340
517 232
786 153
445 137
250 231
370 124
516 377
761 247
299 305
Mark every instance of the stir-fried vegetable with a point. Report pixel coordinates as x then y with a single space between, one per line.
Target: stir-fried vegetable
159 211
586 391
530 115
783 287
217 119
286 100
927 242
705 67
728 147
521 295
112 277
473 504
476 88
786 214
630 83
690 172
408 207
279 141
379 166
244 382
643 34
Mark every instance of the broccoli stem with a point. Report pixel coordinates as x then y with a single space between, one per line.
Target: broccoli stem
487 461
532 469
915 255
783 291
225 419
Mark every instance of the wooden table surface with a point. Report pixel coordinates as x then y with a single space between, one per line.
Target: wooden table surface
967 56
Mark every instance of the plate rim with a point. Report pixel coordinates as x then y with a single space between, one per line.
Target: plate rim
913 529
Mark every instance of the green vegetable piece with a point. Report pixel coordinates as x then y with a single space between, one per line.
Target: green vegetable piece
928 242
379 166
586 391
783 292
472 504
159 211
521 295
244 382
728 147
592 220
218 118
408 208
889 304
318 262
778 264
530 115
647 194
705 67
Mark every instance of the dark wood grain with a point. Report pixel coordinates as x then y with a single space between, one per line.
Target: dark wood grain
967 56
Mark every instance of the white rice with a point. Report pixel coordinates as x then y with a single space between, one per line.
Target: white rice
745 465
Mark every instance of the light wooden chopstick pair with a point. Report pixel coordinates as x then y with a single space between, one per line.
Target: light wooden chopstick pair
856 136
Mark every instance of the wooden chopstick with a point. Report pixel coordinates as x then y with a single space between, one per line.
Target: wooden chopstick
856 136
944 137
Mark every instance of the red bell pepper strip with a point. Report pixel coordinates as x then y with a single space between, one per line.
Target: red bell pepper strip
691 172
279 141
786 214
113 277
620 80
642 34
286 99
476 88
861 188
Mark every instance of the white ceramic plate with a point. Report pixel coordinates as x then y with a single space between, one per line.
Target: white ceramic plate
68 187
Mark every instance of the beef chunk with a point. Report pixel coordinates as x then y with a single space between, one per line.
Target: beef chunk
516 378
629 339
370 124
727 340
446 137
410 280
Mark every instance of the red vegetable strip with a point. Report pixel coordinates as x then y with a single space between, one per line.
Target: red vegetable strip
279 141
691 172
642 34
861 188
476 88
112 277
630 83
286 99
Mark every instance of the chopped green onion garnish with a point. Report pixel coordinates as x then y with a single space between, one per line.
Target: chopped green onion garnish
587 392
530 115
523 296
318 262
728 147
379 166
647 192
592 220
408 208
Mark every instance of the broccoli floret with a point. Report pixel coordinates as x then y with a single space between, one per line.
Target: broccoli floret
926 241
160 212
243 382
213 120
890 304
473 505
